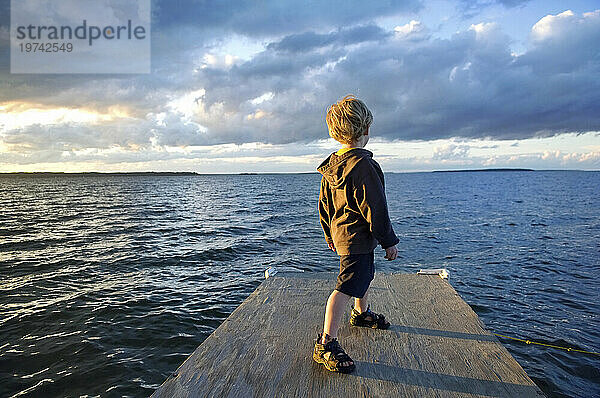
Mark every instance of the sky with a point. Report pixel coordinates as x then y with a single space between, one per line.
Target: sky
244 86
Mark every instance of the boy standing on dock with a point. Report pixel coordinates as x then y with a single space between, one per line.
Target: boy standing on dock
354 216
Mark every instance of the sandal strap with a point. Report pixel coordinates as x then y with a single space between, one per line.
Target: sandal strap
375 317
337 351
339 356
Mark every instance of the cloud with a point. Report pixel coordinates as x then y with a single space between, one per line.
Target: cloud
414 30
419 87
471 8
393 156
547 160
307 41
451 151
564 44
470 85
275 17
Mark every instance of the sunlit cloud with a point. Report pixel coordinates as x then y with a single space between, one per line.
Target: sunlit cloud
21 115
567 152
259 114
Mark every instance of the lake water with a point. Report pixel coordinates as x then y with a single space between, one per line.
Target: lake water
109 282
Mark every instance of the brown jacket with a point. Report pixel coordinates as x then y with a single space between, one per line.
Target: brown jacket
352 205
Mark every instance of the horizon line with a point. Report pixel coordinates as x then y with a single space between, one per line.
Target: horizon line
496 169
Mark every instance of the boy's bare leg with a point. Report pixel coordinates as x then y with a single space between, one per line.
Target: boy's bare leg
335 308
361 304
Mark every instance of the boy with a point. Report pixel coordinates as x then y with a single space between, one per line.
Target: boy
354 217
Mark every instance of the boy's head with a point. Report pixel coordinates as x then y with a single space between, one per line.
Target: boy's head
348 120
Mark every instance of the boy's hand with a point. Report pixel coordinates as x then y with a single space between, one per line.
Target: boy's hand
391 253
332 247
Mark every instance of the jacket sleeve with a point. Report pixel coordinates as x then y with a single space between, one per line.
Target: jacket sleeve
369 193
324 216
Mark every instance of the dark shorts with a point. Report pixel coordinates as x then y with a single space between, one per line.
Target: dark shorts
356 273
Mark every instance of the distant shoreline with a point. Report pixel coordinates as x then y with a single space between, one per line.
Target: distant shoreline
194 173
62 173
479 170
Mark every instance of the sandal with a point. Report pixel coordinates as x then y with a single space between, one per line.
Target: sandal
332 355
368 319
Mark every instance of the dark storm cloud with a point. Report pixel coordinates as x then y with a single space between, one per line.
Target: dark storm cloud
418 87
4 12
310 40
274 17
183 28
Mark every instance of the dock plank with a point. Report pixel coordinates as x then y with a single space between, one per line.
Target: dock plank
436 346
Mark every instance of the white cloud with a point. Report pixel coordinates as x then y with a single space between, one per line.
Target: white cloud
551 25
414 30
221 61
19 116
187 103
561 152
483 28
264 97
451 151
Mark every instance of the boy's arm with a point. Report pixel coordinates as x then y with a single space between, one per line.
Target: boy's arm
324 212
370 196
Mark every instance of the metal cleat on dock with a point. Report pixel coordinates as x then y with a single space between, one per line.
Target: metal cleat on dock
442 272
270 272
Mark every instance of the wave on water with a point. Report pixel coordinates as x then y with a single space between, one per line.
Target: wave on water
118 278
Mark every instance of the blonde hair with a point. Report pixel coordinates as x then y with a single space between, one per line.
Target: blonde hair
348 119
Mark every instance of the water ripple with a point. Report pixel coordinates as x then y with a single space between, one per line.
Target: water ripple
117 279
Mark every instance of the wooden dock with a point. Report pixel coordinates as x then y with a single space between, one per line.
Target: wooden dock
436 346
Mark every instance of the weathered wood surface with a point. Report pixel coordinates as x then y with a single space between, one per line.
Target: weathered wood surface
436 346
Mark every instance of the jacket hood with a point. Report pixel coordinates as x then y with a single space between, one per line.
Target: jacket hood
336 168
